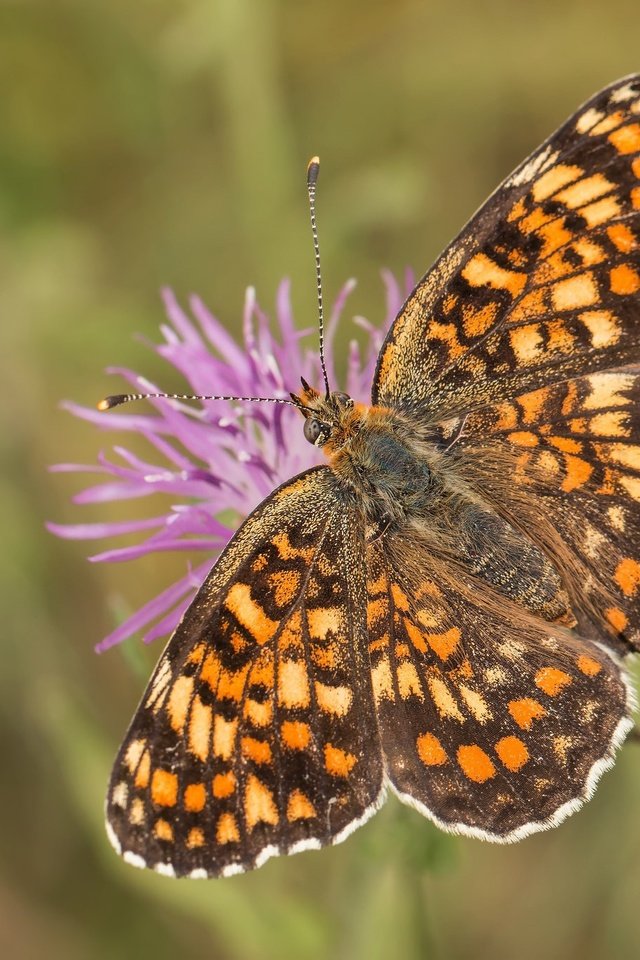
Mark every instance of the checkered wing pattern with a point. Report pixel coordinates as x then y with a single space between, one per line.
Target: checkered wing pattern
257 733
577 457
542 285
493 723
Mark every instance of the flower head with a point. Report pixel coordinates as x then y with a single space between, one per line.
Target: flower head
221 459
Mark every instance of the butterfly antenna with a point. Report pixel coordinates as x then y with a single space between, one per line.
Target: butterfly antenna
116 399
313 169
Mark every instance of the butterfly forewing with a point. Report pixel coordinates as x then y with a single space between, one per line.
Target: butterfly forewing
541 285
257 733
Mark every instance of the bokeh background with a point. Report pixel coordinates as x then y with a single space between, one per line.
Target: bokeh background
165 142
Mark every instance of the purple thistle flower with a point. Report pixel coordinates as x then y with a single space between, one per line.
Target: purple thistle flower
220 460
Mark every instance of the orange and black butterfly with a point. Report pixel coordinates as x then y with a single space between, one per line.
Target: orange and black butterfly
442 610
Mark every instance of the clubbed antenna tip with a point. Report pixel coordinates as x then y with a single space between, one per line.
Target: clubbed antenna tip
113 401
313 169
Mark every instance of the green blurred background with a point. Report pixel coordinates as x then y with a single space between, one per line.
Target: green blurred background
165 142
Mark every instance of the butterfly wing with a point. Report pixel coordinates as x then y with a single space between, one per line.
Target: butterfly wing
493 723
577 463
541 285
257 733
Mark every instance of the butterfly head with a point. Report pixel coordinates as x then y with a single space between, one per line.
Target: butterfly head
325 417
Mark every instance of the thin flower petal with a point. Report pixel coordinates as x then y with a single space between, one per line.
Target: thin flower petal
218 459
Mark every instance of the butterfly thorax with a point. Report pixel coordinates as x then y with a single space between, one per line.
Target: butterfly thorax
412 490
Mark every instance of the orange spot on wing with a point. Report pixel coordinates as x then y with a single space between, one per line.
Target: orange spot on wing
287 551
578 472
133 753
250 614
223 784
231 685
475 764
163 830
260 714
338 762
299 807
195 797
325 620
532 405
259 803
285 585
566 444
606 124
555 235
143 771
523 438
477 320
525 711
179 701
627 576
335 700
444 699
526 342
622 237
227 829
584 191
626 139
624 280
603 327
517 210
601 211
554 179
475 703
136 813
575 292
588 666
164 788
296 735
382 681
616 618
257 750
293 684
224 736
200 729
551 680
408 681
195 838
481 271
399 597
590 252
416 635
430 750
531 305
444 644
512 753
210 671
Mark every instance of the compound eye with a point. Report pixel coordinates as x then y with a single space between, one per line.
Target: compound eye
315 431
343 399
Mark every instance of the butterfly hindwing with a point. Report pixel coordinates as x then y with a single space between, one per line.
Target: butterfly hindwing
257 733
541 285
492 723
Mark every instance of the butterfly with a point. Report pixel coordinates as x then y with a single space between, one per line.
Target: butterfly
442 610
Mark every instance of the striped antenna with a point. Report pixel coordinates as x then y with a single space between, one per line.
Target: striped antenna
116 399
313 169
